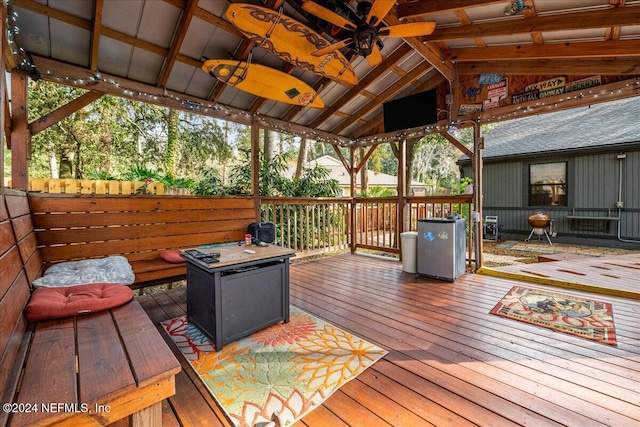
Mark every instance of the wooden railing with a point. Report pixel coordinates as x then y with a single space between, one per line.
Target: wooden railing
88 186
435 207
310 225
313 225
376 224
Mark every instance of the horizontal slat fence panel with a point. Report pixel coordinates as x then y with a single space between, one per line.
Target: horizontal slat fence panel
89 186
138 227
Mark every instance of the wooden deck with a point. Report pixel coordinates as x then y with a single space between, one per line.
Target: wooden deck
611 275
450 362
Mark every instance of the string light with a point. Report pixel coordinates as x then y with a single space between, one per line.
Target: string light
26 64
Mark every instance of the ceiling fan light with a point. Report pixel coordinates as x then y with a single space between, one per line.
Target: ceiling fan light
364 41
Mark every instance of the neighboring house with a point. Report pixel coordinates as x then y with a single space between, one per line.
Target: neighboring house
583 162
339 173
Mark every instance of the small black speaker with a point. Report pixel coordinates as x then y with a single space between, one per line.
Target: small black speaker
262 231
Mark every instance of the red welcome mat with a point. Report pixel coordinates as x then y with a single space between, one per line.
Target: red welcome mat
573 315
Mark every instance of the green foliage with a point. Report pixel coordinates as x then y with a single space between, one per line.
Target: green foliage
139 173
100 175
315 182
377 191
464 181
210 185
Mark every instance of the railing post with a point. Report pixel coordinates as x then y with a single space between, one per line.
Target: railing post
19 131
255 167
354 205
402 189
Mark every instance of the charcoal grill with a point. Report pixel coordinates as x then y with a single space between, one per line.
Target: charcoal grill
540 222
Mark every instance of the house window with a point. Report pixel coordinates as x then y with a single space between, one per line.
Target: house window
548 184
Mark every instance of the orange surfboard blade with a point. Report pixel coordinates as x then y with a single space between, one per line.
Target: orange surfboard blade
413 29
379 9
264 82
327 15
291 40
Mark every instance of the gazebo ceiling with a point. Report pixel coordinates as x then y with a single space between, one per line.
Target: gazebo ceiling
153 50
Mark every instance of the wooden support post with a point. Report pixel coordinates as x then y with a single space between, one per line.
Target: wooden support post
478 145
3 94
402 188
19 131
255 168
354 206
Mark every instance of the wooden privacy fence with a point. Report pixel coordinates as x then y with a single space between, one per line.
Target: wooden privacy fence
88 186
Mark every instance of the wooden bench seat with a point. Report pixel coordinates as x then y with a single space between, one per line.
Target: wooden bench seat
71 227
106 367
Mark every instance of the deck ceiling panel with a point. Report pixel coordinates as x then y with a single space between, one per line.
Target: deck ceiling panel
163 42
181 76
576 36
200 84
383 83
145 66
630 32
331 123
490 12
114 57
237 98
70 43
543 7
158 23
354 105
215 7
34 32
410 62
198 39
80 8
125 18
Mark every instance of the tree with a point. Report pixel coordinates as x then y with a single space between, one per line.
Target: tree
302 157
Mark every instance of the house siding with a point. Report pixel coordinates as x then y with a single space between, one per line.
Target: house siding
592 190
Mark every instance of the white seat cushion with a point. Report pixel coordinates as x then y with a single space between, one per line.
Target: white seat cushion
112 269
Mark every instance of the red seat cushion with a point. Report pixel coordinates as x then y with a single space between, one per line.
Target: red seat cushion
57 303
172 255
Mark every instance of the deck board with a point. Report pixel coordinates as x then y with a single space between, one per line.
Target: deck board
450 362
615 275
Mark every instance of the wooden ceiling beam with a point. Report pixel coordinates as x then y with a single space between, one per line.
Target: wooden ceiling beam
385 95
427 7
621 66
371 77
63 112
208 17
579 20
181 31
95 34
428 50
604 49
75 76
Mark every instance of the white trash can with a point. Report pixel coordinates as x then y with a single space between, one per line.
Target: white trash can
408 246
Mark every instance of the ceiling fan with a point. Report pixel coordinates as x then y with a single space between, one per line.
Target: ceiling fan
367 33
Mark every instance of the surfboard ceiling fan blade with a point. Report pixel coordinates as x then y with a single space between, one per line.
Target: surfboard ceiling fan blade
332 48
375 57
327 15
379 9
413 29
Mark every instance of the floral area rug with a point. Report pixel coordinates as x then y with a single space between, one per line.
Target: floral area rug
288 368
565 313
